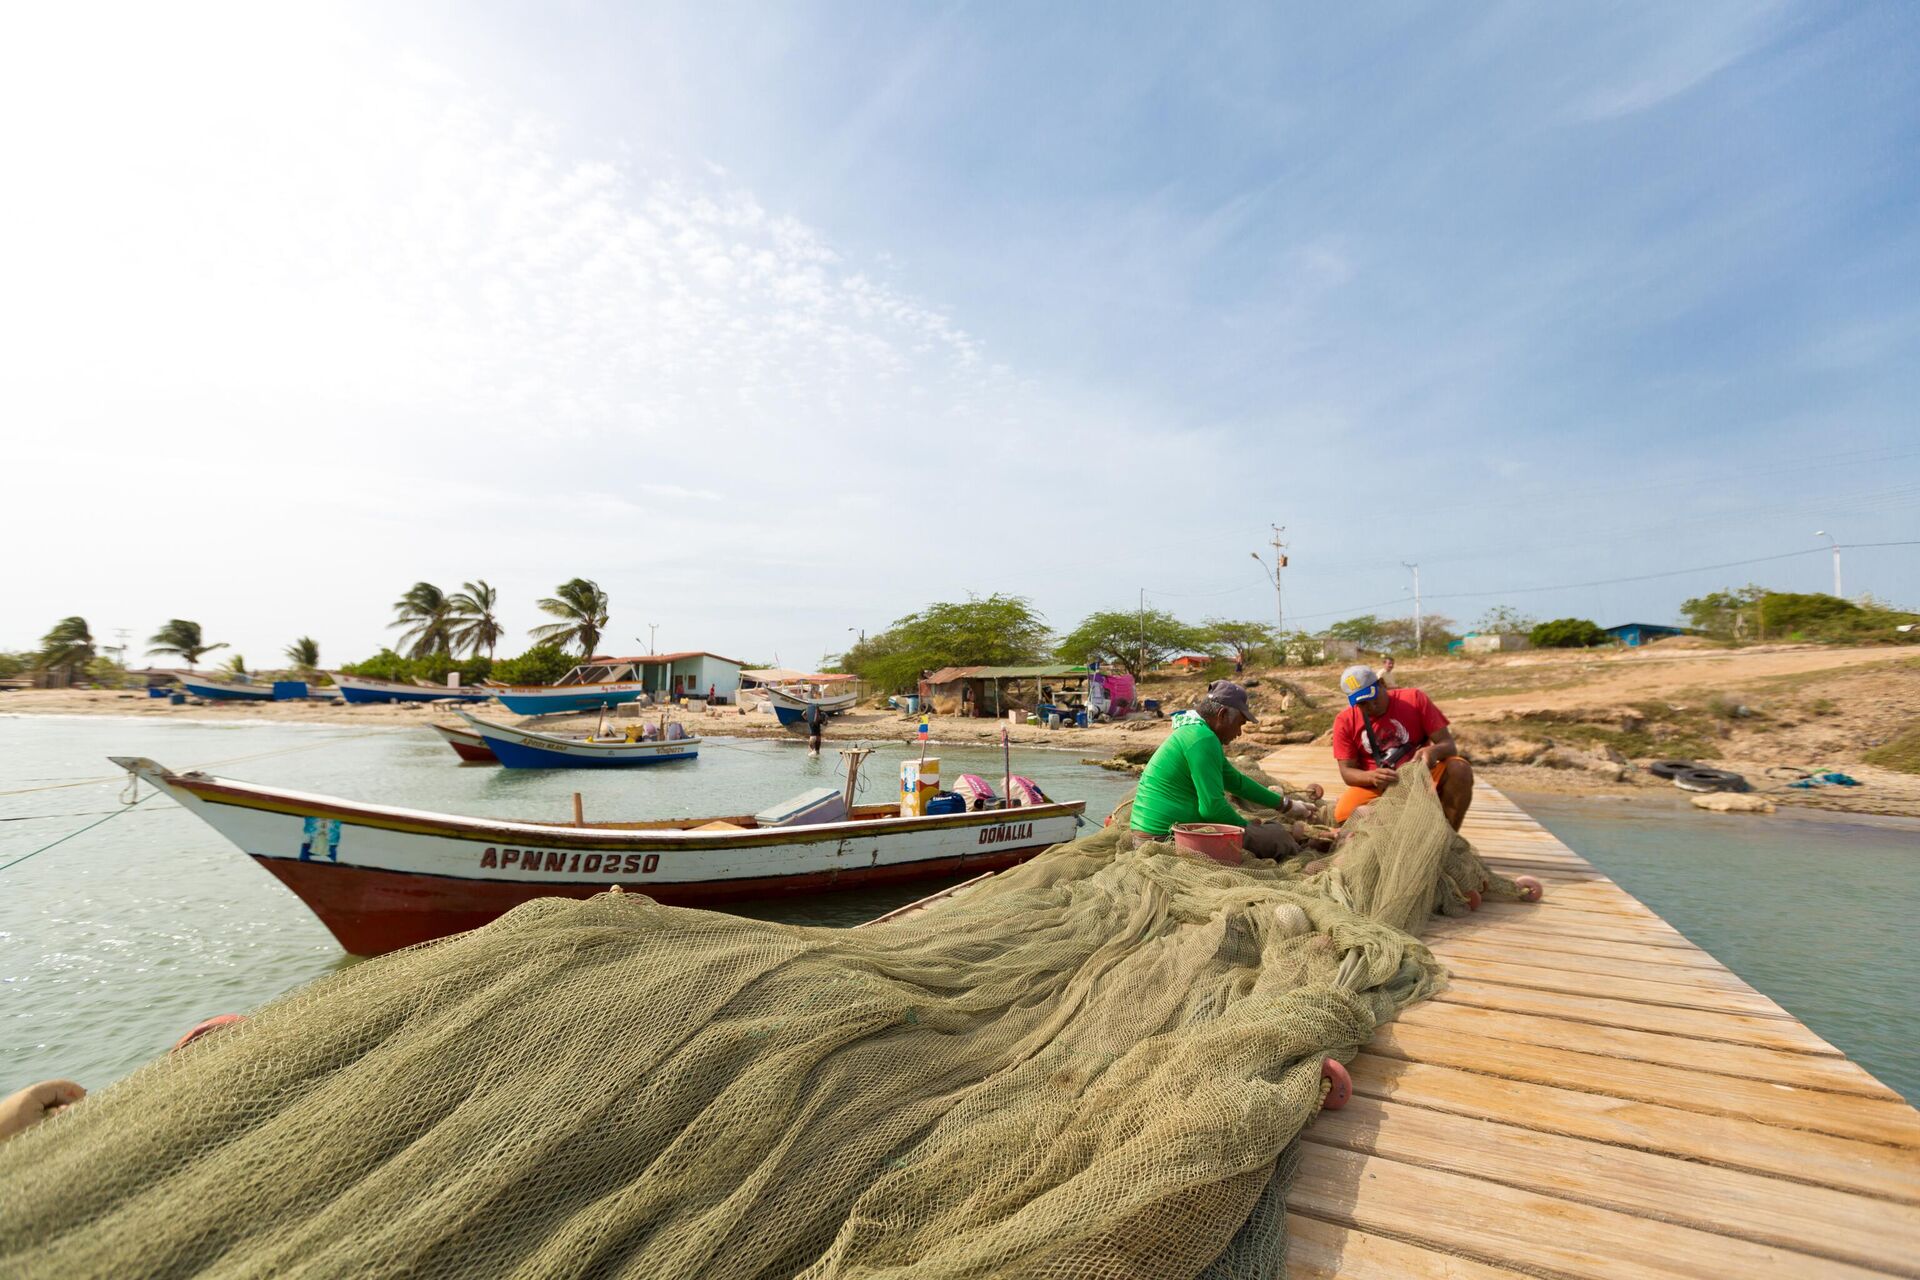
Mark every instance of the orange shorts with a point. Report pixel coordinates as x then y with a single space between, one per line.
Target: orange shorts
1354 797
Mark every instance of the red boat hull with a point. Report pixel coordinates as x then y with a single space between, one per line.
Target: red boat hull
372 912
474 755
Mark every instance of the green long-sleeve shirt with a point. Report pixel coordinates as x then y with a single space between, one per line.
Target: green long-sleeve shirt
1188 780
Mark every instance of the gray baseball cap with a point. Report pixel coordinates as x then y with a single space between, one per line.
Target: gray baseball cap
1229 694
1359 683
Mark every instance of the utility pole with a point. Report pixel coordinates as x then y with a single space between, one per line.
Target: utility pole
1416 603
651 628
1143 631
1273 576
1838 594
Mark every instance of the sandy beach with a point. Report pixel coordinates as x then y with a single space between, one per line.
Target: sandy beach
1570 723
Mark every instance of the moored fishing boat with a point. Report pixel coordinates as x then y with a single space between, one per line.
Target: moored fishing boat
381 877
222 690
602 749
466 744
364 689
790 705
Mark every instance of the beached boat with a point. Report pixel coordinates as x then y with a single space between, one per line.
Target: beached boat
362 689
588 687
381 877
466 744
602 749
790 705
222 690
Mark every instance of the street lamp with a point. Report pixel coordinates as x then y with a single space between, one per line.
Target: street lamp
1822 533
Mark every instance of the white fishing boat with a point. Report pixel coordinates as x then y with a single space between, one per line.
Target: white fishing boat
382 876
790 704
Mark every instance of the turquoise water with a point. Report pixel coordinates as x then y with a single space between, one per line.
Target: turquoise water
117 941
1818 913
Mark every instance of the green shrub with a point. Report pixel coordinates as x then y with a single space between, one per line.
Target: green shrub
1901 752
384 665
1567 633
542 664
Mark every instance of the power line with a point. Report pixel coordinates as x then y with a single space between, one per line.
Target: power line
1607 582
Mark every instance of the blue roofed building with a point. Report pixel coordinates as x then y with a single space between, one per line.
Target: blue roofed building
1638 633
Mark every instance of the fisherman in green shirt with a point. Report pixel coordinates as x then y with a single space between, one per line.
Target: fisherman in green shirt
1188 778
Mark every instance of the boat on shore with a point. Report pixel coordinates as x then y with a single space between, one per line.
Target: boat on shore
591 686
363 689
466 744
602 749
222 690
790 706
382 877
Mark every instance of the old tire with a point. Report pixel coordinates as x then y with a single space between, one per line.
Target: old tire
1709 780
1670 768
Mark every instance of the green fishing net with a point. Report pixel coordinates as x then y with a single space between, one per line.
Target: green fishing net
1095 1065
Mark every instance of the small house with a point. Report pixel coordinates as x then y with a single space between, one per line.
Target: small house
668 675
993 691
1189 663
1634 634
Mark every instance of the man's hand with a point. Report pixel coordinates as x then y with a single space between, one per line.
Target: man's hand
1381 779
35 1103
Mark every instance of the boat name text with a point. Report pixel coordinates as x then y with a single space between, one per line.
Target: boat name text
586 864
1002 834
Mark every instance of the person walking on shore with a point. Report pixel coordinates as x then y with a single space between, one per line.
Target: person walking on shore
1383 730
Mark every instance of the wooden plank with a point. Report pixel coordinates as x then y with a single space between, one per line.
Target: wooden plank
1521 975
1318 1250
1558 924
1740 1028
1835 1075
1729 1141
1464 930
1715 978
1491 1222
1750 1206
1784 1106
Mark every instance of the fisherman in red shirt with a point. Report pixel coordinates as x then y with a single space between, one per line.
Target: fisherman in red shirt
1385 729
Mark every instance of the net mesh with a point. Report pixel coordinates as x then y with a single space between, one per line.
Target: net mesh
1095 1065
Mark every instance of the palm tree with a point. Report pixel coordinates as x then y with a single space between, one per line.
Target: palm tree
70 643
583 607
427 615
475 626
182 639
236 666
304 654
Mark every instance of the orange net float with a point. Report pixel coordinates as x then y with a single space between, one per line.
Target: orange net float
205 1025
1339 1085
1531 890
1473 899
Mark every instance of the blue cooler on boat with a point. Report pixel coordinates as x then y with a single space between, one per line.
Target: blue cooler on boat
946 802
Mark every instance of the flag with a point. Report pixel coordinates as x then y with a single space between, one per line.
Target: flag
925 728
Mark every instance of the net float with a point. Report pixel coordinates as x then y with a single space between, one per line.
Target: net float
1339 1084
1531 890
205 1025
1473 899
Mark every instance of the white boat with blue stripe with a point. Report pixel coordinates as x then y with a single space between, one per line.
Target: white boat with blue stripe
603 749
363 689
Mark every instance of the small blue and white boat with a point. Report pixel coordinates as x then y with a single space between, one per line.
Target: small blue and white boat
224 691
588 687
361 689
790 706
526 749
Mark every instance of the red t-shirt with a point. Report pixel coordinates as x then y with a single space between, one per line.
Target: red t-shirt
1411 718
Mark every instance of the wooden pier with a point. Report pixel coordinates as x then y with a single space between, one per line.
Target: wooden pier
1595 1096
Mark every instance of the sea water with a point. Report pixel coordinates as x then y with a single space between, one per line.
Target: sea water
1815 911
115 942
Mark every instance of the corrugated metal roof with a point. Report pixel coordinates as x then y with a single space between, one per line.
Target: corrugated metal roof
947 675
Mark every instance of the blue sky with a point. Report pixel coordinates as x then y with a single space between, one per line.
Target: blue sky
781 320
